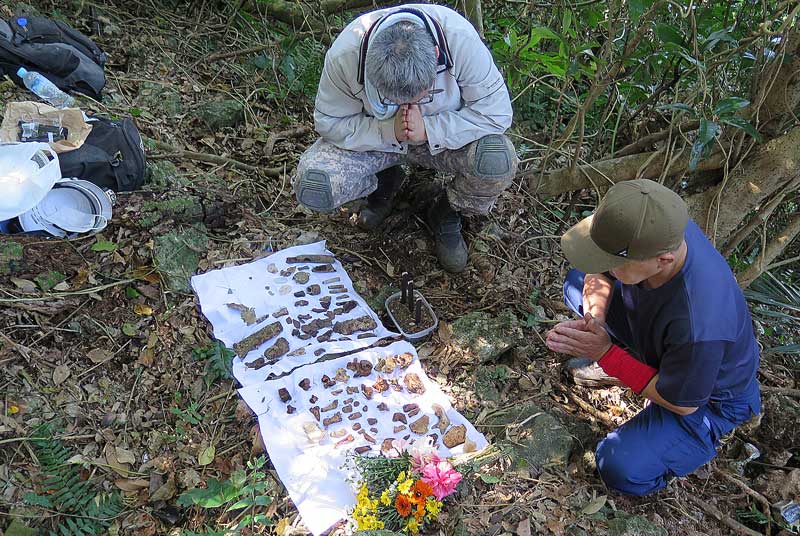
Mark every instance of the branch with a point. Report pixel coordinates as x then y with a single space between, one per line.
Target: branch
651 139
785 391
294 132
604 173
175 152
771 252
737 527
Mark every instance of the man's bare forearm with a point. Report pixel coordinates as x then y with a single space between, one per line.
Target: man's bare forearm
597 291
653 395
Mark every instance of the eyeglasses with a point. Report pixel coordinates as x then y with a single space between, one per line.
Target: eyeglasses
427 99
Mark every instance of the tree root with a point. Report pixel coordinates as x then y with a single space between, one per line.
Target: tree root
175 152
714 512
294 132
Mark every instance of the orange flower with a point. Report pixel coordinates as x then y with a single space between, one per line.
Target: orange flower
420 512
421 491
402 505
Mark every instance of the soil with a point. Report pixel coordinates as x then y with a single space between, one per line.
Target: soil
405 318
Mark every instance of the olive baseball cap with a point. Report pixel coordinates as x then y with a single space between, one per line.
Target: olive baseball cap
636 220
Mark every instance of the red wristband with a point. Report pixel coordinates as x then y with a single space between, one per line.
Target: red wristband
629 370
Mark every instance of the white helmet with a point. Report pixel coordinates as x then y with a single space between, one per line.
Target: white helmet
73 206
27 172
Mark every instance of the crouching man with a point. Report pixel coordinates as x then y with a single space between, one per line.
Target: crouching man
410 84
661 313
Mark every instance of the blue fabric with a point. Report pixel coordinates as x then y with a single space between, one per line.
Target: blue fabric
698 333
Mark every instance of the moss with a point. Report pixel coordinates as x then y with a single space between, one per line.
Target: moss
177 255
11 256
485 336
186 209
48 280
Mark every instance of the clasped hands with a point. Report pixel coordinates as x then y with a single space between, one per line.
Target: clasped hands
580 338
408 124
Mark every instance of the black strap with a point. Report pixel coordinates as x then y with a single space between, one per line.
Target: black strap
436 33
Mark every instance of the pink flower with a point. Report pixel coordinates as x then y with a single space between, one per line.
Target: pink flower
441 477
422 454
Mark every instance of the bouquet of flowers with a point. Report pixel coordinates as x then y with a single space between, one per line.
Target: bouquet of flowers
402 490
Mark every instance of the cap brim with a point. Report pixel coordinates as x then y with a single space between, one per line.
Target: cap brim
583 253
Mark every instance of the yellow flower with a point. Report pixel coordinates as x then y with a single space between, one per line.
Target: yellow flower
369 523
405 486
401 476
385 499
433 507
412 526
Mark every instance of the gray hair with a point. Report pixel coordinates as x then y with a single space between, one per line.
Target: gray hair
401 61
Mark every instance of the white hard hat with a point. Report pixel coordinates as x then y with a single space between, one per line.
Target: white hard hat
73 206
27 172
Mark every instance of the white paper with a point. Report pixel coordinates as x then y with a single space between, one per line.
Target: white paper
312 472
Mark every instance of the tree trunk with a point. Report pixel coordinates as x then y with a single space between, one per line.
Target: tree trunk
474 12
771 252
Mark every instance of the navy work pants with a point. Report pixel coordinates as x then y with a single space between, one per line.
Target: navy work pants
643 454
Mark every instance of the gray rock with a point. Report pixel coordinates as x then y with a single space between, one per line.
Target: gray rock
627 525
220 114
159 99
177 254
11 256
378 302
542 441
163 175
306 237
485 386
486 337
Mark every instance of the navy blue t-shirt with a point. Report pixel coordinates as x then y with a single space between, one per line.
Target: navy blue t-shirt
695 329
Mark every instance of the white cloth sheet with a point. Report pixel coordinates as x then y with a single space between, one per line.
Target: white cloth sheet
312 471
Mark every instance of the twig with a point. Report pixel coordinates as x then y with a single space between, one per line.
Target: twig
597 414
747 489
294 132
175 152
737 527
785 391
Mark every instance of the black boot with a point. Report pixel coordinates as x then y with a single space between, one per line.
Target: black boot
379 202
445 223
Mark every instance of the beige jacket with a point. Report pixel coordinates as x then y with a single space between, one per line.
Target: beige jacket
475 101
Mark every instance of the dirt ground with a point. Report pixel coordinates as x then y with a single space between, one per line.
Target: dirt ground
106 351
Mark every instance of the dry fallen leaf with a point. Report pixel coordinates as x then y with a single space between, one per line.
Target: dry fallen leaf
131 484
206 455
594 506
125 456
524 527
24 285
60 373
147 356
142 309
445 332
99 355
110 452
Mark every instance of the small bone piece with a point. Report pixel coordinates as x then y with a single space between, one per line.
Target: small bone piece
367 390
301 277
410 407
313 258
347 409
299 351
399 428
352 365
290 409
369 438
333 405
364 368
354 416
349 400
386 365
277 350
383 407
299 294
362 450
281 312
319 351
324 268
373 430
365 335
381 384
337 417
404 360
315 412
420 426
289 271
372 421
313 432
331 280
254 340
327 382
341 375
470 446
443 421
338 433
455 436
348 439
361 323
434 440
284 394
352 390
357 426
413 383
301 303
313 399
357 403
305 384
337 392
314 290
399 417
272 268
386 445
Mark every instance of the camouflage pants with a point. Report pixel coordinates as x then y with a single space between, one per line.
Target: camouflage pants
328 177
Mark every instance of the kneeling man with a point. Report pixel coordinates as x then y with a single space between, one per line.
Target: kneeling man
661 313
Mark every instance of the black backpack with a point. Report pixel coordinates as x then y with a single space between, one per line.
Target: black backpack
112 156
62 54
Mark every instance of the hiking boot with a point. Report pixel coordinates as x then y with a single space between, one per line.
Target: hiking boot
588 373
379 202
445 224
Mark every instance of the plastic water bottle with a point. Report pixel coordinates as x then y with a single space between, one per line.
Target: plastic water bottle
45 89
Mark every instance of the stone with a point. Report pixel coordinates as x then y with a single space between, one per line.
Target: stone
485 386
628 525
177 254
163 175
11 256
48 280
186 209
220 114
542 441
484 337
160 99
377 302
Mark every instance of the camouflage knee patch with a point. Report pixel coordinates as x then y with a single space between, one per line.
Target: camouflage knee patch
314 191
494 157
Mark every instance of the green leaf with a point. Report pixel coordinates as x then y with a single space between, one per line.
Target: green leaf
730 105
637 8
744 124
677 106
216 494
263 500
670 34
132 293
717 37
705 135
104 245
207 455
490 479
129 329
241 503
37 500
